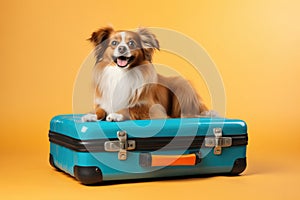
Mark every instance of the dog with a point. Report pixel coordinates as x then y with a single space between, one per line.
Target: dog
127 86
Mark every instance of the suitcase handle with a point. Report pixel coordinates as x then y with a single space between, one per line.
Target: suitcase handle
149 160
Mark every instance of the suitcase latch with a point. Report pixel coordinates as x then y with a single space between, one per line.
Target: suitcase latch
218 141
121 146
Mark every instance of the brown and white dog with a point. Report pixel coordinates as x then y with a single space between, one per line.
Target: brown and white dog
127 85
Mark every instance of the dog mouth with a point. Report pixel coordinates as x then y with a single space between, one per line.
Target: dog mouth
123 61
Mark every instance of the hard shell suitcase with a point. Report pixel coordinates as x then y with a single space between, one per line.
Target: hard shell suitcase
93 152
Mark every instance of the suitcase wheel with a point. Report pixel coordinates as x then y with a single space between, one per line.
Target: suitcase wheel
239 166
88 175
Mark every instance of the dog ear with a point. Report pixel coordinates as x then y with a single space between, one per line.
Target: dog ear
100 40
149 42
101 35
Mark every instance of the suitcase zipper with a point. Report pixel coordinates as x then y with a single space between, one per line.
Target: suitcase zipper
145 144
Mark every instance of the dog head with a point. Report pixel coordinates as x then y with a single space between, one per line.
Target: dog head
124 49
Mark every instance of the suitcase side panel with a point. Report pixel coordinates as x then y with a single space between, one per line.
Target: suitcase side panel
62 158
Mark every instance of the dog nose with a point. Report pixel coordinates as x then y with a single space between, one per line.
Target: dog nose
122 49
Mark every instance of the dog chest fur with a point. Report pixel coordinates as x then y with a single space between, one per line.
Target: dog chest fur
118 86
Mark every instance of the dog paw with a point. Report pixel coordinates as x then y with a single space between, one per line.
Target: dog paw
114 117
89 118
210 113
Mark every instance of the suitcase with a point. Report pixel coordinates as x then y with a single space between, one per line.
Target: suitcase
94 152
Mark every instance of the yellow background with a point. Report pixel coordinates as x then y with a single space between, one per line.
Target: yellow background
255 45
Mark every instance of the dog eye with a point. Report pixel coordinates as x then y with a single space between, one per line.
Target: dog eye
131 44
114 43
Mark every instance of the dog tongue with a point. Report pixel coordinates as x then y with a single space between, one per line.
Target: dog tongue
121 62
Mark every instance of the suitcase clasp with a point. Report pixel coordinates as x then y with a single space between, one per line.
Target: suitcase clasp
121 146
218 141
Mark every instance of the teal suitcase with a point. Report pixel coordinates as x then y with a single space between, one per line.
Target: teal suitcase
96 152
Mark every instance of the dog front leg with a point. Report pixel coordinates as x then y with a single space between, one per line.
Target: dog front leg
100 113
121 115
92 117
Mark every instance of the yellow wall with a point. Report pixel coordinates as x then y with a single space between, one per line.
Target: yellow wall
255 45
